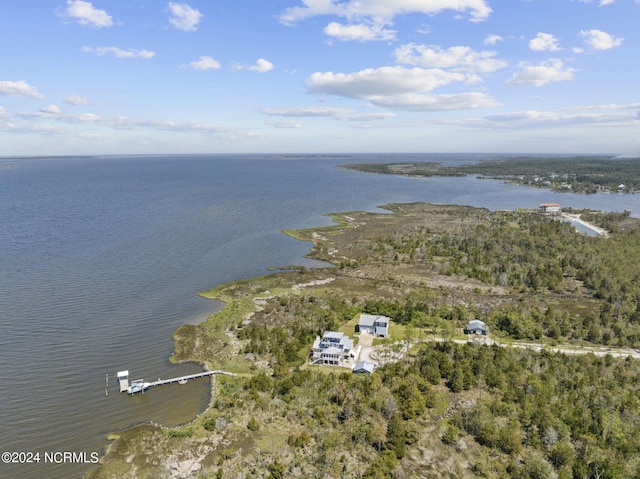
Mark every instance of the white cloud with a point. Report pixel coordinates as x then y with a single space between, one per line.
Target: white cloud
52 114
492 39
599 40
544 42
183 17
30 128
370 116
330 112
424 29
381 81
555 119
285 124
603 2
86 14
579 117
261 66
119 53
612 106
460 58
552 70
205 63
76 100
359 32
51 109
383 10
125 123
312 111
400 88
423 102
4 113
19 88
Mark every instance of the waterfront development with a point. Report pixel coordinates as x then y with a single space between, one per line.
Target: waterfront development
431 407
106 251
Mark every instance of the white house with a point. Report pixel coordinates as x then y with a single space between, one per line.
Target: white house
332 348
374 324
549 208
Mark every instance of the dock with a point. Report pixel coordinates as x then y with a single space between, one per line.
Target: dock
139 386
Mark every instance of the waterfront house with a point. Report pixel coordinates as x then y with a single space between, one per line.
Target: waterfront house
476 327
332 348
374 324
549 208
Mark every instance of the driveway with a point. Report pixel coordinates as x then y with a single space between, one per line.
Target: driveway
366 347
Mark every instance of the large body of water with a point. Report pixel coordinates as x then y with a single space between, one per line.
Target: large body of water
101 260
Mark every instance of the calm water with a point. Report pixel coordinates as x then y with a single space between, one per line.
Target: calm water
101 260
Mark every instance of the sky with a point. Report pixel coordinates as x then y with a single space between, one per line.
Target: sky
319 76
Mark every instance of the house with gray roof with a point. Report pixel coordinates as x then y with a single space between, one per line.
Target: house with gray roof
374 324
332 348
476 327
363 367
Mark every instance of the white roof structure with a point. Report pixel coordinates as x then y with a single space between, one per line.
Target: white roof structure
332 350
363 367
477 324
333 335
367 319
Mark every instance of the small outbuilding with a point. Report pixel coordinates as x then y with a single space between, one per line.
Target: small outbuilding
476 327
363 367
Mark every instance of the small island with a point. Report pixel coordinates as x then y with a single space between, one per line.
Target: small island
509 353
584 174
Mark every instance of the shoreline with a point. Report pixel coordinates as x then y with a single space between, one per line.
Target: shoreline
229 306
576 218
244 298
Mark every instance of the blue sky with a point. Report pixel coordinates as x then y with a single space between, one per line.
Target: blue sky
306 76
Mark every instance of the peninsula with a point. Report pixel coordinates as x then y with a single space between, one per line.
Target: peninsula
520 407
583 174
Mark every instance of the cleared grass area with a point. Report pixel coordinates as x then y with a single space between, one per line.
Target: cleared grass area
349 328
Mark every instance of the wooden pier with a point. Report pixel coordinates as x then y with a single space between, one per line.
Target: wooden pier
139 386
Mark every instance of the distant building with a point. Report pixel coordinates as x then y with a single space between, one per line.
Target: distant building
476 327
549 208
373 324
332 348
363 367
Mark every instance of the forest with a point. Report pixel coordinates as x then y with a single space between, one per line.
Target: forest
444 409
584 174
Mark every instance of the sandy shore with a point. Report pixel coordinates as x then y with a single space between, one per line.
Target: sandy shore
576 218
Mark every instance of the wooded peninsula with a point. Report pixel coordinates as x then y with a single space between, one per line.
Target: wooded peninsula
582 174
437 405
